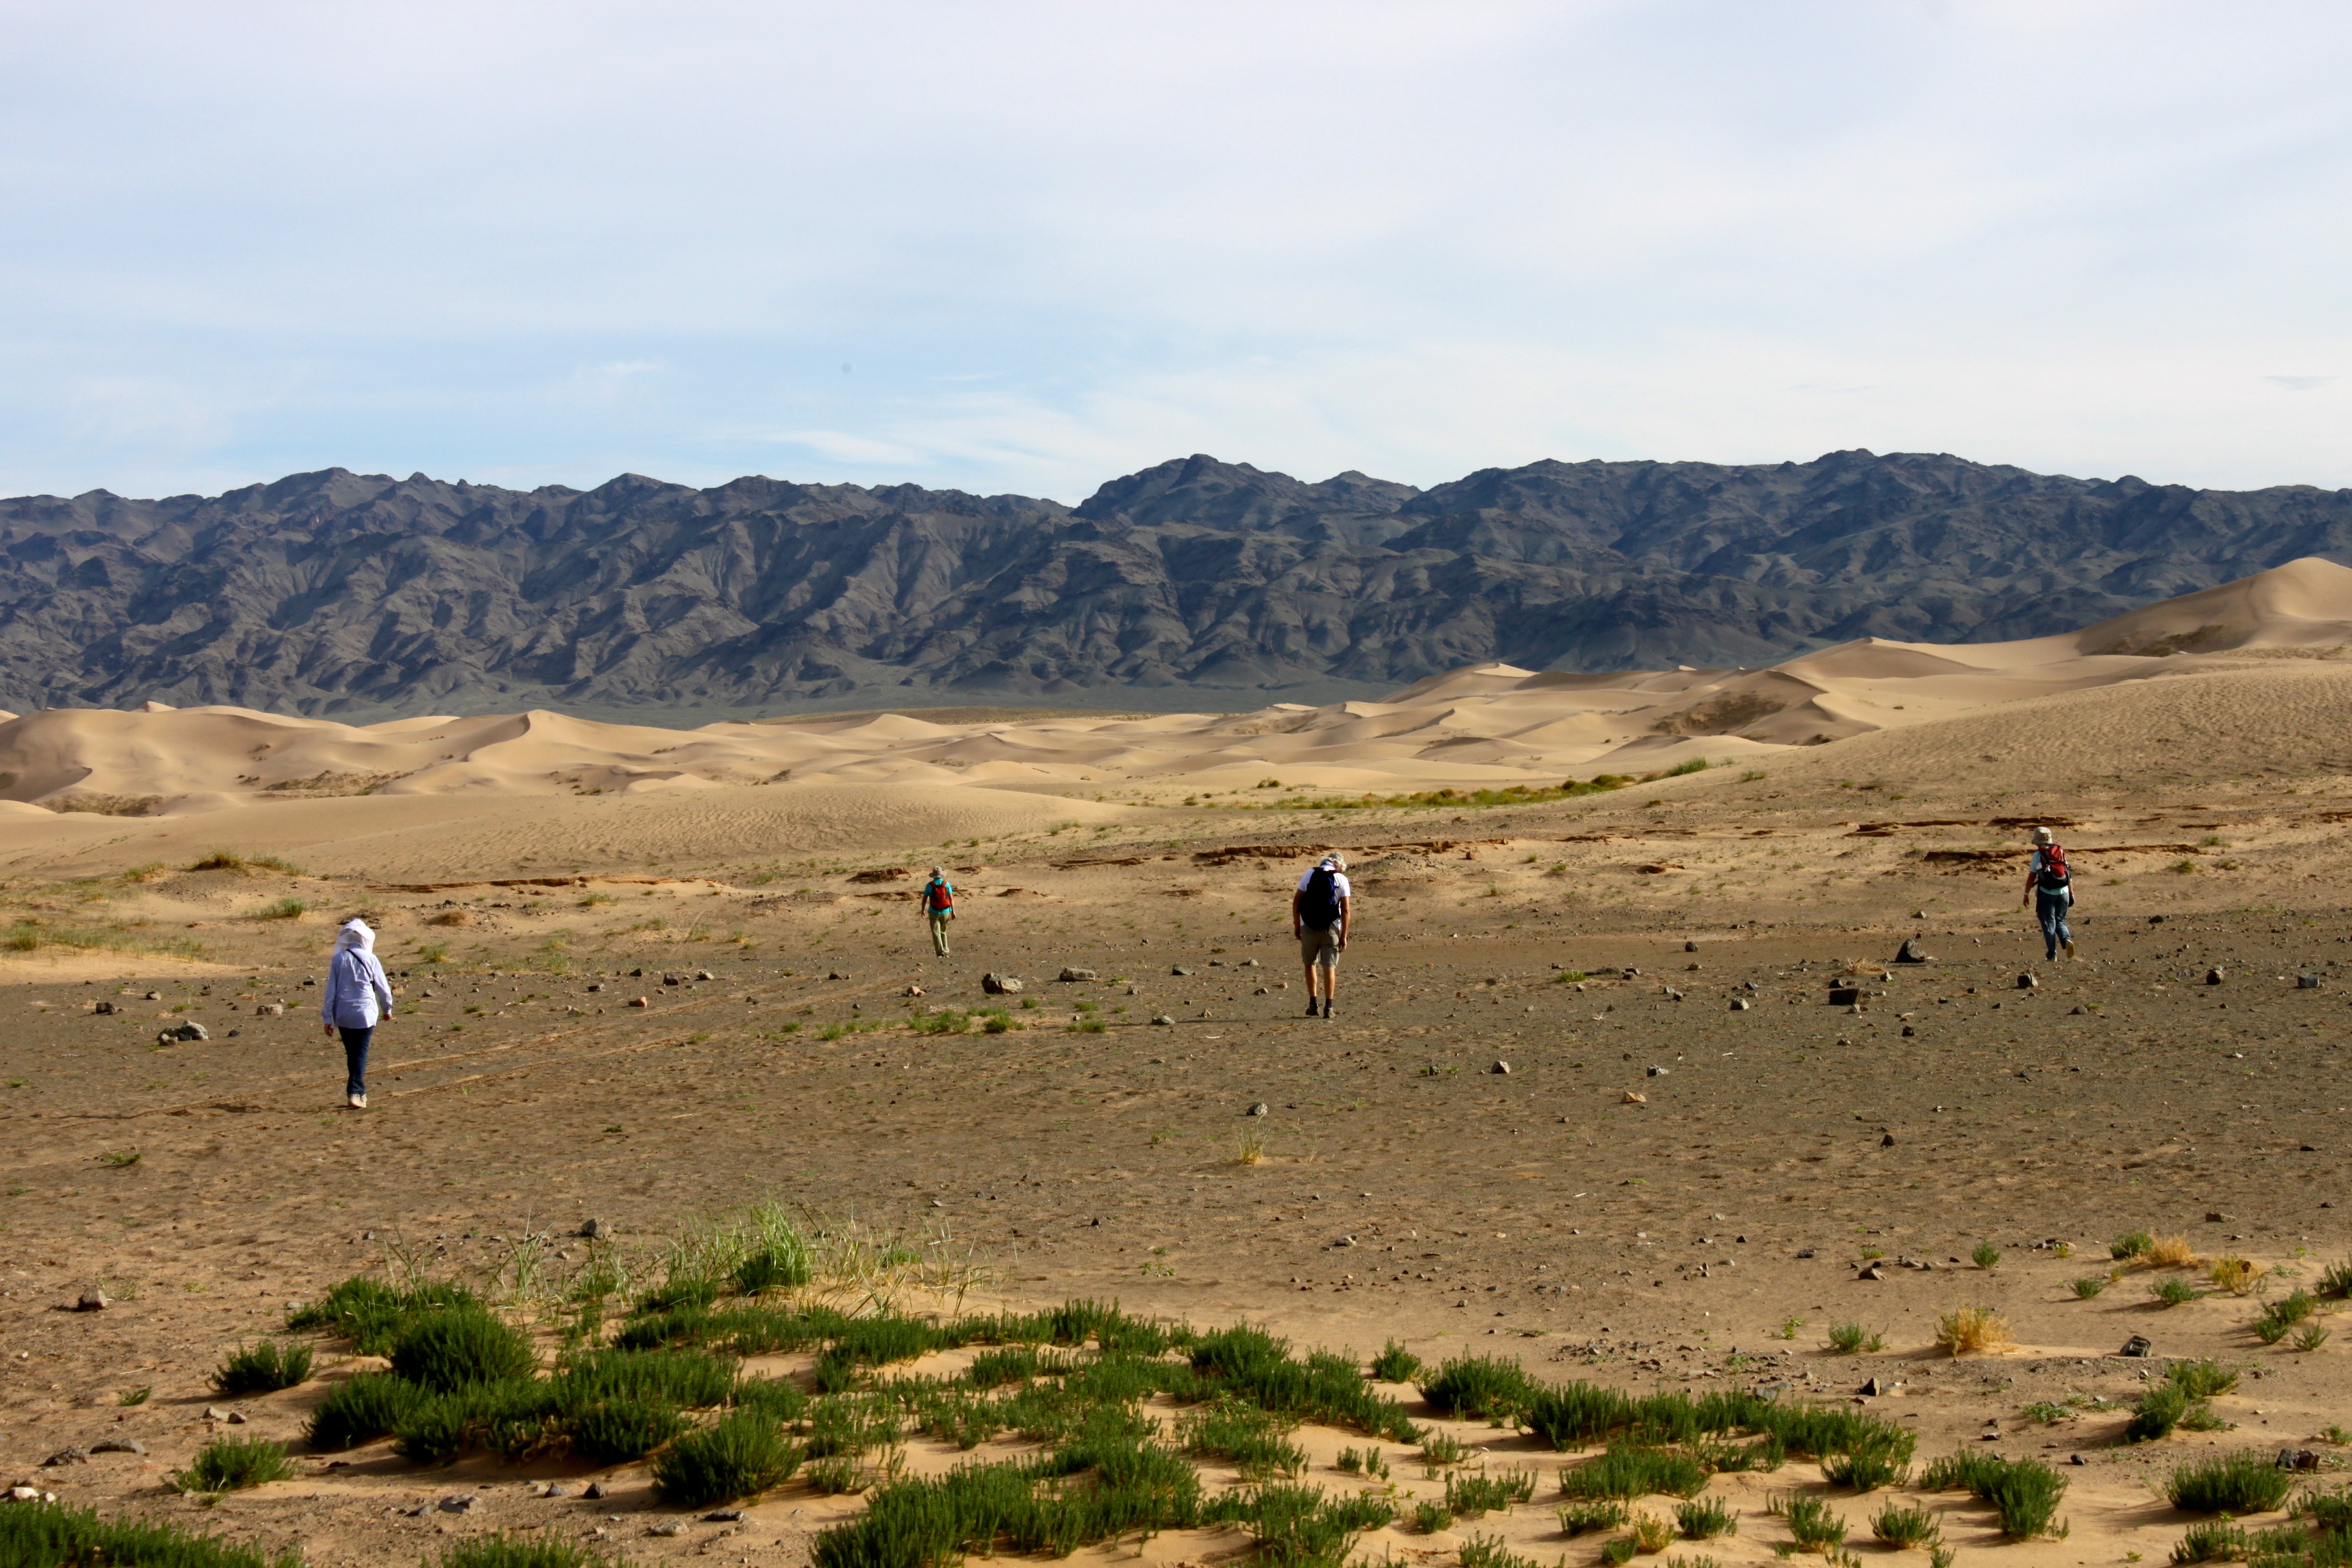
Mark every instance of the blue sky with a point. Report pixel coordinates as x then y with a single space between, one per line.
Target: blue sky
1028 247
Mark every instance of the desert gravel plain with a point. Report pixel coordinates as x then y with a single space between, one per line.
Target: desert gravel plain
1586 1103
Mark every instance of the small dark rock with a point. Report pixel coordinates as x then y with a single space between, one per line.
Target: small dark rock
1871 1271
459 1502
2028 981
2138 1345
1887 1141
593 1490
1872 1389
1912 952
997 985
595 1229
2306 982
67 1457
118 1446
1844 995
1071 974
1258 1108
2213 975
1503 1068
1178 969
722 1516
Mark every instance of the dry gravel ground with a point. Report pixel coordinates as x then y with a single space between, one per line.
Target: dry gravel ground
1398 1186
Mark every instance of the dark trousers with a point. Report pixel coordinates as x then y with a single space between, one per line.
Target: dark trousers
2052 907
355 1049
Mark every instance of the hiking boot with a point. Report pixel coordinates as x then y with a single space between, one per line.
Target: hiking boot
2069 947
1314 1009
1327 1007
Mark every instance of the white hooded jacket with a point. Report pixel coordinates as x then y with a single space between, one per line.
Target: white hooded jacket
357 994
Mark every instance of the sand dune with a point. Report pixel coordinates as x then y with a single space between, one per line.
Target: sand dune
2264 639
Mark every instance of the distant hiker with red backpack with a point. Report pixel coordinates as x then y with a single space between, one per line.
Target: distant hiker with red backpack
938 903
1319 919
2050 888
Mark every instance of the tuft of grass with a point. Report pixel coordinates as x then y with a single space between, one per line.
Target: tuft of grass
1577 1518
1480 1388
1849 1339
2173 1293
742 1455
2157 1412
2171 1252
1251 1149
1966 1331
52 1534
2213 1540
1631 1470
1438 1448
2311 1336
1810 1523
1704 1519
2088 1286
2228 1483
2335 1279
1429 1518
1395 1365
1471 1494
1652 1533
360 1410
2201 1379
1985 1254
461 1348
264 1368
1904 1528
282 909
2131 1245
232 1464
1251 1439
139 1395
2234 1274
503 1550
2025 1493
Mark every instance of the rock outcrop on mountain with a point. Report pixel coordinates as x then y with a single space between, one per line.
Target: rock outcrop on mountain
1193 583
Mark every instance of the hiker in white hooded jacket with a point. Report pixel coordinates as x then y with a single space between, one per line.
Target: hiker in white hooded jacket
358 997
1319 919
2050 890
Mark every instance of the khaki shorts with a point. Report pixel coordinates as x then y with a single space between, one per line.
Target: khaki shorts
1320 945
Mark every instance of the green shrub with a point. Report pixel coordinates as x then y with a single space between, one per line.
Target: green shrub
264 1368
1250 1438
2213 1540
1323 1388
614 1431
1480 1388
684 1380
371 1314
1475 1494
49 1535
2025 1493
2157 1412
774 1268
1488 1551
2335 1279
1810 1523
2131 1245
1395 1365
740 1456
2173 1293
1576 1517
1429 1518
1904 1528
462 1347
1617 1553
1704 1519
1985 1254
1867 1468
232 1464
2088 1286
2228 1483
1849 1338
1629 1471
360 1409
2201 1379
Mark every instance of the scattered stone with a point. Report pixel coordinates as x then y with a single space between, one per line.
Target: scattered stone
1741 1004
1908 1031
30 1494
1871 1271
2213 975
1912 952
1846 996
722 1516
1658 1072
552 1489
673 1528
2138 1345
2028 981
1070 973
673 979
1887 1141
1805 1252
2297 1459
839 974
703 974
270 1010
236 1418
67 1457
595 1229
155 997
1670 993
1251 963
178 1033
597 985
91 1301
996 984
912 990
639 1002
1261 990
1872 1389
1632 1098
118 1446
106 1007
593 1490
1178 969
2306 982
1690 947
214 1413
2215 1216
1258 1108
1163 1019
2078 1011
1501 1067
459 1502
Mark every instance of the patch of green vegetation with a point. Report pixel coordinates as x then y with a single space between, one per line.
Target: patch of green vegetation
232 1464
50 1535
264 1368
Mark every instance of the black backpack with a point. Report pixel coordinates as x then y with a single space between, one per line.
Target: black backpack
1319 905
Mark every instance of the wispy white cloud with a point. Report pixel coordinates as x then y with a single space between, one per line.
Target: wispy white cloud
551 239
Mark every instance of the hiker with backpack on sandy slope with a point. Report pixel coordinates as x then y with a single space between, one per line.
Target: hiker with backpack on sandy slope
1319 919
938 905
2050 889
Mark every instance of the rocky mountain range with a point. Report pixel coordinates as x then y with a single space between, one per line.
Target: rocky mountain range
1193 583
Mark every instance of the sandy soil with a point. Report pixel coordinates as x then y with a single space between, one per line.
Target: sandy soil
1399 1185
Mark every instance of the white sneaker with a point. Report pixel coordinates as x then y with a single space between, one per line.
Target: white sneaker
359 1101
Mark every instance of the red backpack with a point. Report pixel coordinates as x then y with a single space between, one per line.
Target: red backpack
937 895
2053 876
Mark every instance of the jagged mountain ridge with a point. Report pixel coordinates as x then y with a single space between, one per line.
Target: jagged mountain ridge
1191 582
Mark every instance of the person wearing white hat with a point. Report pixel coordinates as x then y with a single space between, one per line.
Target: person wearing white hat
2050 888
358 997
1319 919
938 906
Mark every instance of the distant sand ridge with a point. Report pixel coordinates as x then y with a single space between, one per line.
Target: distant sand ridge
1486 725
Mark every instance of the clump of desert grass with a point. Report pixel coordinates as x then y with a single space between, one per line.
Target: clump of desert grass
263 1368
232 1464
2025 1493
2228 1483
1973 1331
